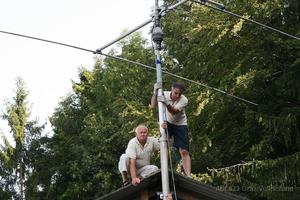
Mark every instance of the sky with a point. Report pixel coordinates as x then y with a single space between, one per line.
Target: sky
48 69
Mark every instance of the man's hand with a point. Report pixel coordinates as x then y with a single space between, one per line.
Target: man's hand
156 87
135 181
163 100
164 125
169 197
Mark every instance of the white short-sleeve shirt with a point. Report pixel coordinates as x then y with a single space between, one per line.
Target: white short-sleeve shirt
180 104
142 154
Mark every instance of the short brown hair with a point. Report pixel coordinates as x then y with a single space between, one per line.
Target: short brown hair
178 85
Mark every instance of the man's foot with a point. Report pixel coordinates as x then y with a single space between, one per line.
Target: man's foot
182 169
125 183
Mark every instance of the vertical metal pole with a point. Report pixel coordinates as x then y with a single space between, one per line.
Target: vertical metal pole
157 37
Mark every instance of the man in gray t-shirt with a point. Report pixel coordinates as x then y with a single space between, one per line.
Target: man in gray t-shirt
136 160
175 103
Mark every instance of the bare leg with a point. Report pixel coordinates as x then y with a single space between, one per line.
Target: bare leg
186 161
124 176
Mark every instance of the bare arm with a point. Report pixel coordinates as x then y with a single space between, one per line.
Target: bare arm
135 179
154 101
172 110
179 106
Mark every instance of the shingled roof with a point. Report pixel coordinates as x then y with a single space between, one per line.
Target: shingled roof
186 189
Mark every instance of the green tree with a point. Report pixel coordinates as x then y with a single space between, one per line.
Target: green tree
15 167
241 144
93 126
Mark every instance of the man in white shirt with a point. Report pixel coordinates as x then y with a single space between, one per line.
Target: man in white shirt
136 160
177 127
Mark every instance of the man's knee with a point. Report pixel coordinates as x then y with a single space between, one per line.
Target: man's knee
147 170
153 168
184 152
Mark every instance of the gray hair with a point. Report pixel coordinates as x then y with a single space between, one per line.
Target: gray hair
140 126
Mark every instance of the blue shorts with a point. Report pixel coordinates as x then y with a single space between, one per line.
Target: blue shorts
180 134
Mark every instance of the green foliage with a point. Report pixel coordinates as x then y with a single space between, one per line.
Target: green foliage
245 60
273 179
15 161
93 126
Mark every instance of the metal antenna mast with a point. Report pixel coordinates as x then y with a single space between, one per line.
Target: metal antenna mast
157 37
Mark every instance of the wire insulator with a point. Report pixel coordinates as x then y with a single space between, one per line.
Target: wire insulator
157 36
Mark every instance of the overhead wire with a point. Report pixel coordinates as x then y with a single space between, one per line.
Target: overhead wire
133 62
202 2
183 78
222 9
49 41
